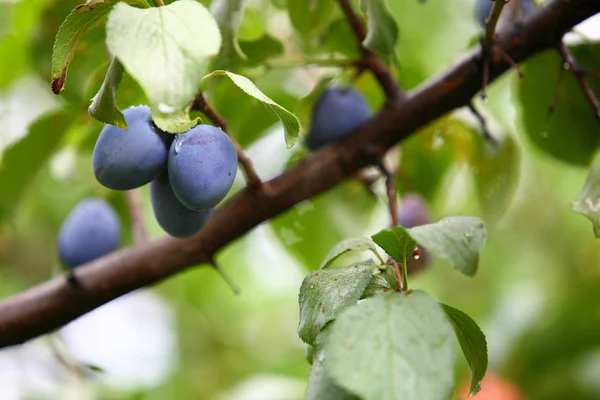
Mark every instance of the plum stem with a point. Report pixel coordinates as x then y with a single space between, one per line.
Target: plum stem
370 60
200 104
134 205
393 206
579 74
491 22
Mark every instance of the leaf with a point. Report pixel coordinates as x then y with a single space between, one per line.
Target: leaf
456 239
77 23
326 293
382 29
393 347
588 202
496 173
257 51
291 125
166 50
572 112
376 287
352 244
473 344
308 17
396 242
321 386
228 14
104 106
22 160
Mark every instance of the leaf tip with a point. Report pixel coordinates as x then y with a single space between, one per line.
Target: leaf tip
58 82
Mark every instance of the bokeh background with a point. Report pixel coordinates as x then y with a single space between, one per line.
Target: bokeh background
537 293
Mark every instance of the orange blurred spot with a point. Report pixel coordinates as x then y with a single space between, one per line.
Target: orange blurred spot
493 387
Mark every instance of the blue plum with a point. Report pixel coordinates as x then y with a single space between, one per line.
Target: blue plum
90 231
338 112
175 218
202 166
127 159
413 212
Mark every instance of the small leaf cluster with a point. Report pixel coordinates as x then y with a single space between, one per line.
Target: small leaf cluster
369 340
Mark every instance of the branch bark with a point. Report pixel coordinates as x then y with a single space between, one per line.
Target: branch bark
50 305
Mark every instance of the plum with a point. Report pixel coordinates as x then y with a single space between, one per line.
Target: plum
338 112
90 231
175 218
413 212
202 165
127 159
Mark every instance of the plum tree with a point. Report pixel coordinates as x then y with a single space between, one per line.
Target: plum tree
175 218
413 212
339 111
127 159
202 165
90 231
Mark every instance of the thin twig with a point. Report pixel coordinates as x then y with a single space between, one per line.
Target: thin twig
491 22
370 60
134 204
484 127
225 276
579 75
200 104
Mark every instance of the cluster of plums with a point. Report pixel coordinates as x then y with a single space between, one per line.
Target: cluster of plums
189 174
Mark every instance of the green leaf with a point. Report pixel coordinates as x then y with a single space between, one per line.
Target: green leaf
257 51
588 202
473 344
104 106
166 50
382 29
572 112
291 125
22 160
496 172
396 242
321 386
377 286
393 347
326 293
346 245
309 17
456 239
77 23
228 14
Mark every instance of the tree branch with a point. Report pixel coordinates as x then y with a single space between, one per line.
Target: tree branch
50 305
369 59
200 104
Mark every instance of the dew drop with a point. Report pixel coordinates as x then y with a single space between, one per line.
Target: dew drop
416 254
178 143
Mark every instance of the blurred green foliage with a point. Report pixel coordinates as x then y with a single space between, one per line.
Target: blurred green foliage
536 294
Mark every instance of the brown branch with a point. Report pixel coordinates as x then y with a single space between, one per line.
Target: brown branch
491 22
134 204
370 60
579 74
52 304
200 104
